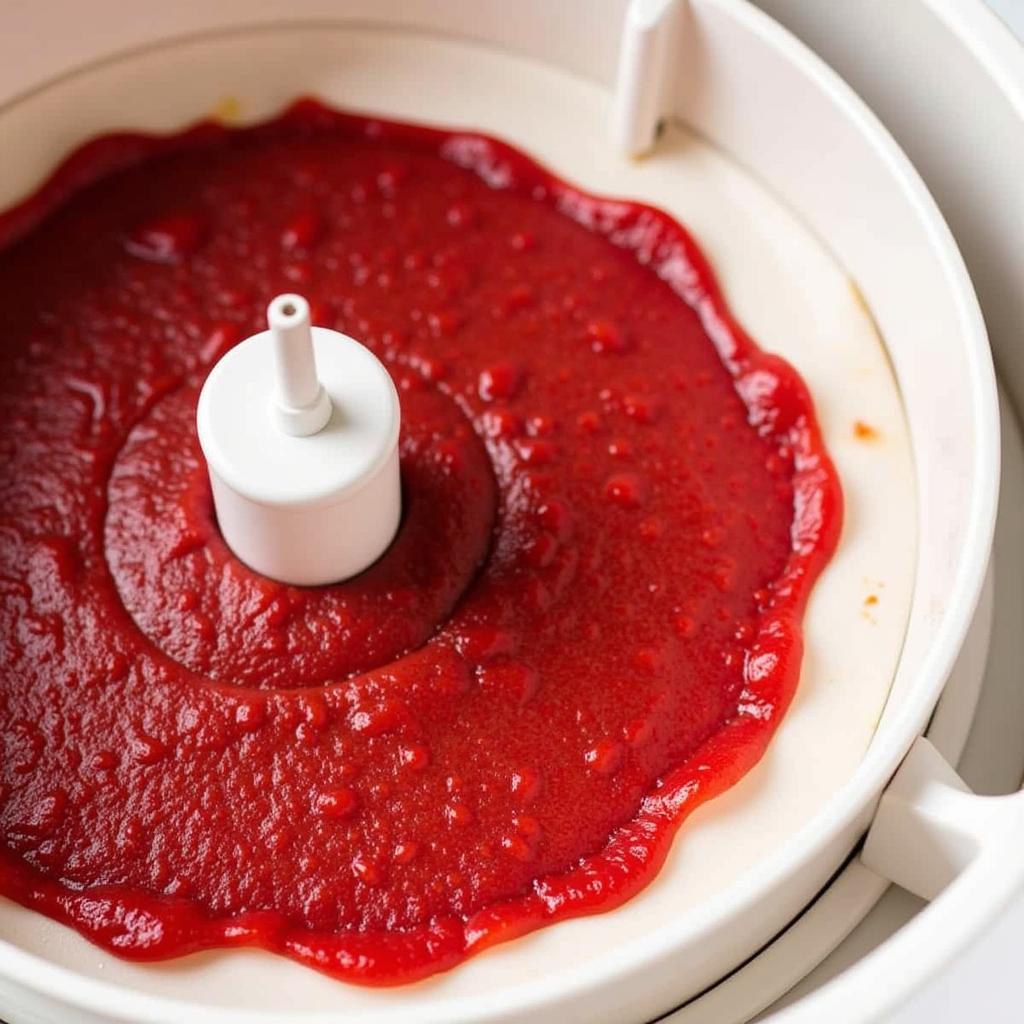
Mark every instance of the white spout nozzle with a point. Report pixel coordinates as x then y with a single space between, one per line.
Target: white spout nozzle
301 405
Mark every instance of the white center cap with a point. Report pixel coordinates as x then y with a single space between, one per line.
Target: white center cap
299 427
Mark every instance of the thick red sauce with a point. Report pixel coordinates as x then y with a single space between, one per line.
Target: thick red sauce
615 506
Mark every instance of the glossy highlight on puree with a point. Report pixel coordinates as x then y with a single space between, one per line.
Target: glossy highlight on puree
615 506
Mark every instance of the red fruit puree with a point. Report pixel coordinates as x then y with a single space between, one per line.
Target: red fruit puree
615 505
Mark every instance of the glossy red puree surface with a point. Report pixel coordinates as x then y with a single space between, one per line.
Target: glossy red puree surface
615 506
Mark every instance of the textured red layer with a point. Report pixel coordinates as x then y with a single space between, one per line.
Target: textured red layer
616 506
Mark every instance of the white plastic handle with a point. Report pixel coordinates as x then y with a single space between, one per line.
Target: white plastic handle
929 826
644 71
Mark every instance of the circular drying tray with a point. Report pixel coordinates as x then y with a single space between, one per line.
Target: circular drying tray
771 268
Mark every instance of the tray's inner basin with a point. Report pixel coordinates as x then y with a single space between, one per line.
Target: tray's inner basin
782 283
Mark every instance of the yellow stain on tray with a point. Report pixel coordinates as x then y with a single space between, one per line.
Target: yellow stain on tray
864 431
227 110
870 603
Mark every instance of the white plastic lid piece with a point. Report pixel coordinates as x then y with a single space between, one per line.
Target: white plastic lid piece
299 426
